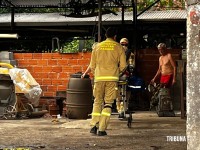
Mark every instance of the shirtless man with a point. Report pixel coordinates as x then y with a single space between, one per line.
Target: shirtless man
167 67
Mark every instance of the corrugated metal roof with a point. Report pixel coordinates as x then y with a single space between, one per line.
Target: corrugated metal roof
128 17
159 15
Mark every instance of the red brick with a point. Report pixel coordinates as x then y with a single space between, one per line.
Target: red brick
37 69
52 88
87 55
32 62
67 69
63 62
63 75
44 75
56 69
46 56
52 62
85 67
30 69
39 81
42 62
48 93
22 63
77 69
56 56
35 75
62 87
67 56
56 82
37 55
77 56
28 55
65 81
72 62
44 88
47 69
18 56
83 62
53 75
46 82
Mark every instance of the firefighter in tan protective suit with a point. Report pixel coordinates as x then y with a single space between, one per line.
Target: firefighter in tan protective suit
107 60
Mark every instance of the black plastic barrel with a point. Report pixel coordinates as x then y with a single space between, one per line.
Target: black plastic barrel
6 92
79 97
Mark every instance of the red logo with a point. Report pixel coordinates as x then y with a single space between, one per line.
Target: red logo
194 18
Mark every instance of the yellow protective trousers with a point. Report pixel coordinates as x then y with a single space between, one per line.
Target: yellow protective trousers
104 92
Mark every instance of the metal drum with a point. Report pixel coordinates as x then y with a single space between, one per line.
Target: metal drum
7 95
6 92
79 97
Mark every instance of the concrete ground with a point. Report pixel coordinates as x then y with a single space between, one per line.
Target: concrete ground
148 132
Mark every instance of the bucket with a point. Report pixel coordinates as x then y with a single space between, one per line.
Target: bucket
79 97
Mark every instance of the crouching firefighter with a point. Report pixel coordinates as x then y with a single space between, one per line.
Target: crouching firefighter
107 60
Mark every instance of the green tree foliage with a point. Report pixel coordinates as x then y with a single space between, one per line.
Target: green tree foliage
71 47
162 5
74 46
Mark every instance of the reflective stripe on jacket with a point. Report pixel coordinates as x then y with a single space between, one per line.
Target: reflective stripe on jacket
107 60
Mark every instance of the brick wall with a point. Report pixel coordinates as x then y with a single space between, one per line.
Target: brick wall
52 70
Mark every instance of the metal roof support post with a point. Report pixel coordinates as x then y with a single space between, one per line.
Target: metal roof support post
134 50
122 14
12 6
12 18
100 20
134 4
